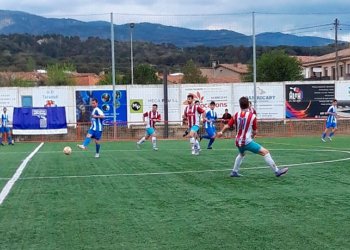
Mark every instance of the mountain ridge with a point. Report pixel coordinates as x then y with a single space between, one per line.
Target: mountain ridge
25 23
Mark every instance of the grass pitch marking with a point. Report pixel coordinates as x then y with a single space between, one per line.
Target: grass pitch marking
6 190
196 171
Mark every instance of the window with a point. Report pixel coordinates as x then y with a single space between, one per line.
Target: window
333 73
27 101
348 68
325 71
341 74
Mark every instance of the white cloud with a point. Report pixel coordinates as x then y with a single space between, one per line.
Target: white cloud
198 14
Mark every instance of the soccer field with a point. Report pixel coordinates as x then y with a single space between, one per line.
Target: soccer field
169 199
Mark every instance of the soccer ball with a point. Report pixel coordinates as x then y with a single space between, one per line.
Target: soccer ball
67 150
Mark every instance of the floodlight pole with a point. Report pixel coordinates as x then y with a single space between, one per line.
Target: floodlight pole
113 78
254 59
132 25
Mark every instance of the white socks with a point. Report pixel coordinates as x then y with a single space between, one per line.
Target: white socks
142 140
154 141
194 145
268 159
238 162
198 145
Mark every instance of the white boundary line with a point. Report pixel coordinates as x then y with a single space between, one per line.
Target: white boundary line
308 146
217 149
6 190
179 172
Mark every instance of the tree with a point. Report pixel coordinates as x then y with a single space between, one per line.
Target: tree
143 74
59 74
192 74
107 79
276 66
31 64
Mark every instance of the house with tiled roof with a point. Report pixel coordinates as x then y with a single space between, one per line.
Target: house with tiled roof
219 73
225 73
39 77
35 77
324 67
86 79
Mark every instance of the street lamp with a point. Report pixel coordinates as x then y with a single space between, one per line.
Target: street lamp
132 25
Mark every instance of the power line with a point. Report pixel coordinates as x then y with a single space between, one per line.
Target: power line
75 15
303 32
309 27
184 15
303 13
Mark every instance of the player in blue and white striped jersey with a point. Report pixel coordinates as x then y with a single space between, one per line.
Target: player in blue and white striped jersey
96 128
209 125
4 128
331 123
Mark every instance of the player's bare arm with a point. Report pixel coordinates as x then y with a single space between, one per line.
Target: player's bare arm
220 133
254 133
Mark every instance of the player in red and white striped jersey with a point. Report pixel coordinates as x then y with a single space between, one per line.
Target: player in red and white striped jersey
150 118
193 114
246 127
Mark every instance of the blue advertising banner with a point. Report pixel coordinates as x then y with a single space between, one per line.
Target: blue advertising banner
105 103
39 121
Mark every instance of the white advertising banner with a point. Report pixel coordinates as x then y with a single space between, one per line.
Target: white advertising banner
342 94
51 97
55 97
8 99
141 99
270 99
220 94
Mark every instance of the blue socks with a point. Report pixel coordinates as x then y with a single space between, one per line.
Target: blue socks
98 146
86 141
206 137
211 142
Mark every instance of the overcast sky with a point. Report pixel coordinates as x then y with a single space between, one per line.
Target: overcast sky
288 16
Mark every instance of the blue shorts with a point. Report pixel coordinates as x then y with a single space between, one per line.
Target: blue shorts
4 130
195 128
252 147
95 134
211 131
331 124
150 131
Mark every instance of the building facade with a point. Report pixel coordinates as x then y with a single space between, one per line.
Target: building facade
324 67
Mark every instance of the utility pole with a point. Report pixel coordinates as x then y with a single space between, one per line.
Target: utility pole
336 27
132 25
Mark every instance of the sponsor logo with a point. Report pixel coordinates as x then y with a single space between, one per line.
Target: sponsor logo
295 94
41 114
197 97
136 106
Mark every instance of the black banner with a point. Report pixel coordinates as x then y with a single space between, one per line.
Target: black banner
308 100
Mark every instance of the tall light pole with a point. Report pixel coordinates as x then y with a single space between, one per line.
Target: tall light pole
132 25
113 78
254 59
